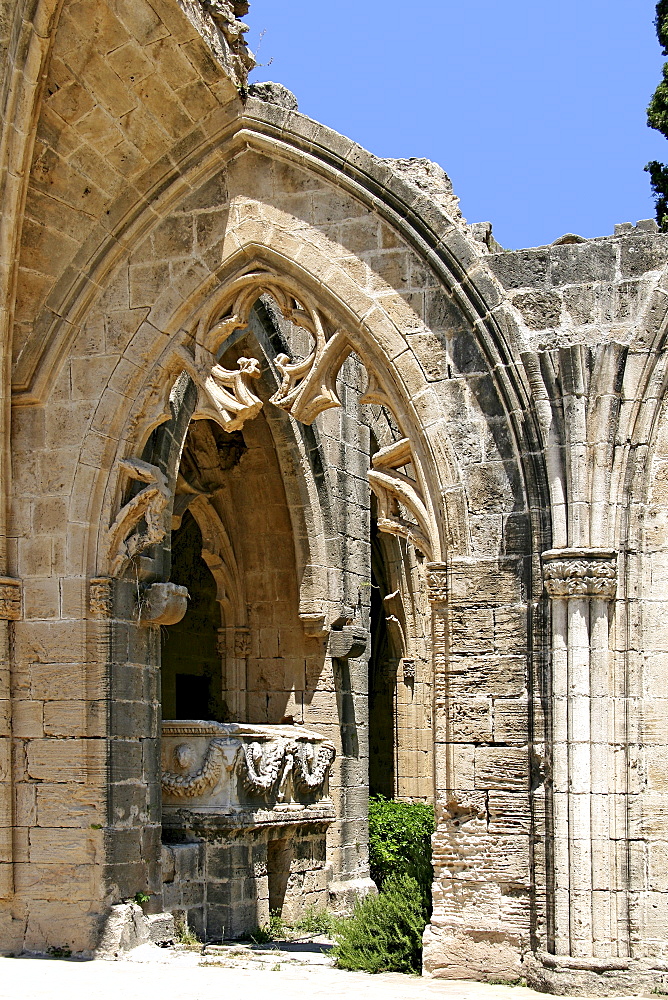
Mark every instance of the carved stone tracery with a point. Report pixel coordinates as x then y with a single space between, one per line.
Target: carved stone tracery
580 573
397 492
228 395
308 388
140 522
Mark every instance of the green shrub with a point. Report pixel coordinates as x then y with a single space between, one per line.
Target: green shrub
384 933
400 842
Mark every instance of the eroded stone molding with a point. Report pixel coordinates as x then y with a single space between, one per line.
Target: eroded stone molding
99 596
140 522
580 572
225 15
10 598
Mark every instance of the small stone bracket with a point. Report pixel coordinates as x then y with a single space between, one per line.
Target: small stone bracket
579 572
11 592
347 642
162 604
314 625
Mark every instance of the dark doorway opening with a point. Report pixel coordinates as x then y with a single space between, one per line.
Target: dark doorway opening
191 662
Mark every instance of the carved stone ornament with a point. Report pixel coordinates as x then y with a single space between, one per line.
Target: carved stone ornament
228 765
190 785
10 598
162 604
307 387
408 669
396 493
140 522
437 581
229 394
265 769
311 767
580 573
99 596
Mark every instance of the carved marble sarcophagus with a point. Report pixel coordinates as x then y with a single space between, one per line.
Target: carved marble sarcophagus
235 768
245 811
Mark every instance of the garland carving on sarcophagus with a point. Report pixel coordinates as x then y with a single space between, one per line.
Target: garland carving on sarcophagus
311 768
260 766
190 785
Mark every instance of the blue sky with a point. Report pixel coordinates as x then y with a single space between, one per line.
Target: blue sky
536 111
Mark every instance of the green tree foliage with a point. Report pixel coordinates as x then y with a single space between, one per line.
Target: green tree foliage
657 117
384 933
400 842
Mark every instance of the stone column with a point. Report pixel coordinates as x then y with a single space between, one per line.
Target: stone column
10 610
581 584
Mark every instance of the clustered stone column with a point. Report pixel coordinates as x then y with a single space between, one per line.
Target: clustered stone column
10 610
582 583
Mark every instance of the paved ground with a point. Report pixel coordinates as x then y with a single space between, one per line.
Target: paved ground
180 977
168 976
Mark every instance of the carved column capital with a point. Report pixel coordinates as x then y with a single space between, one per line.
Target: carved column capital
10 598
437 581
580 573
99 596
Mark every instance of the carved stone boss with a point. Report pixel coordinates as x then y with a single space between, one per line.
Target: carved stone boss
580 573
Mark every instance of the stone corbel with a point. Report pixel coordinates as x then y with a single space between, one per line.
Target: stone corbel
11 591
124 539
314 625
162 604
580 572
395 490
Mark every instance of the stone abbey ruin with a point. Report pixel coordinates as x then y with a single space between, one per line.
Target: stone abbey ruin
310 489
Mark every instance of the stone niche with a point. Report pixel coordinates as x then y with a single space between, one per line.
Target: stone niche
245 812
